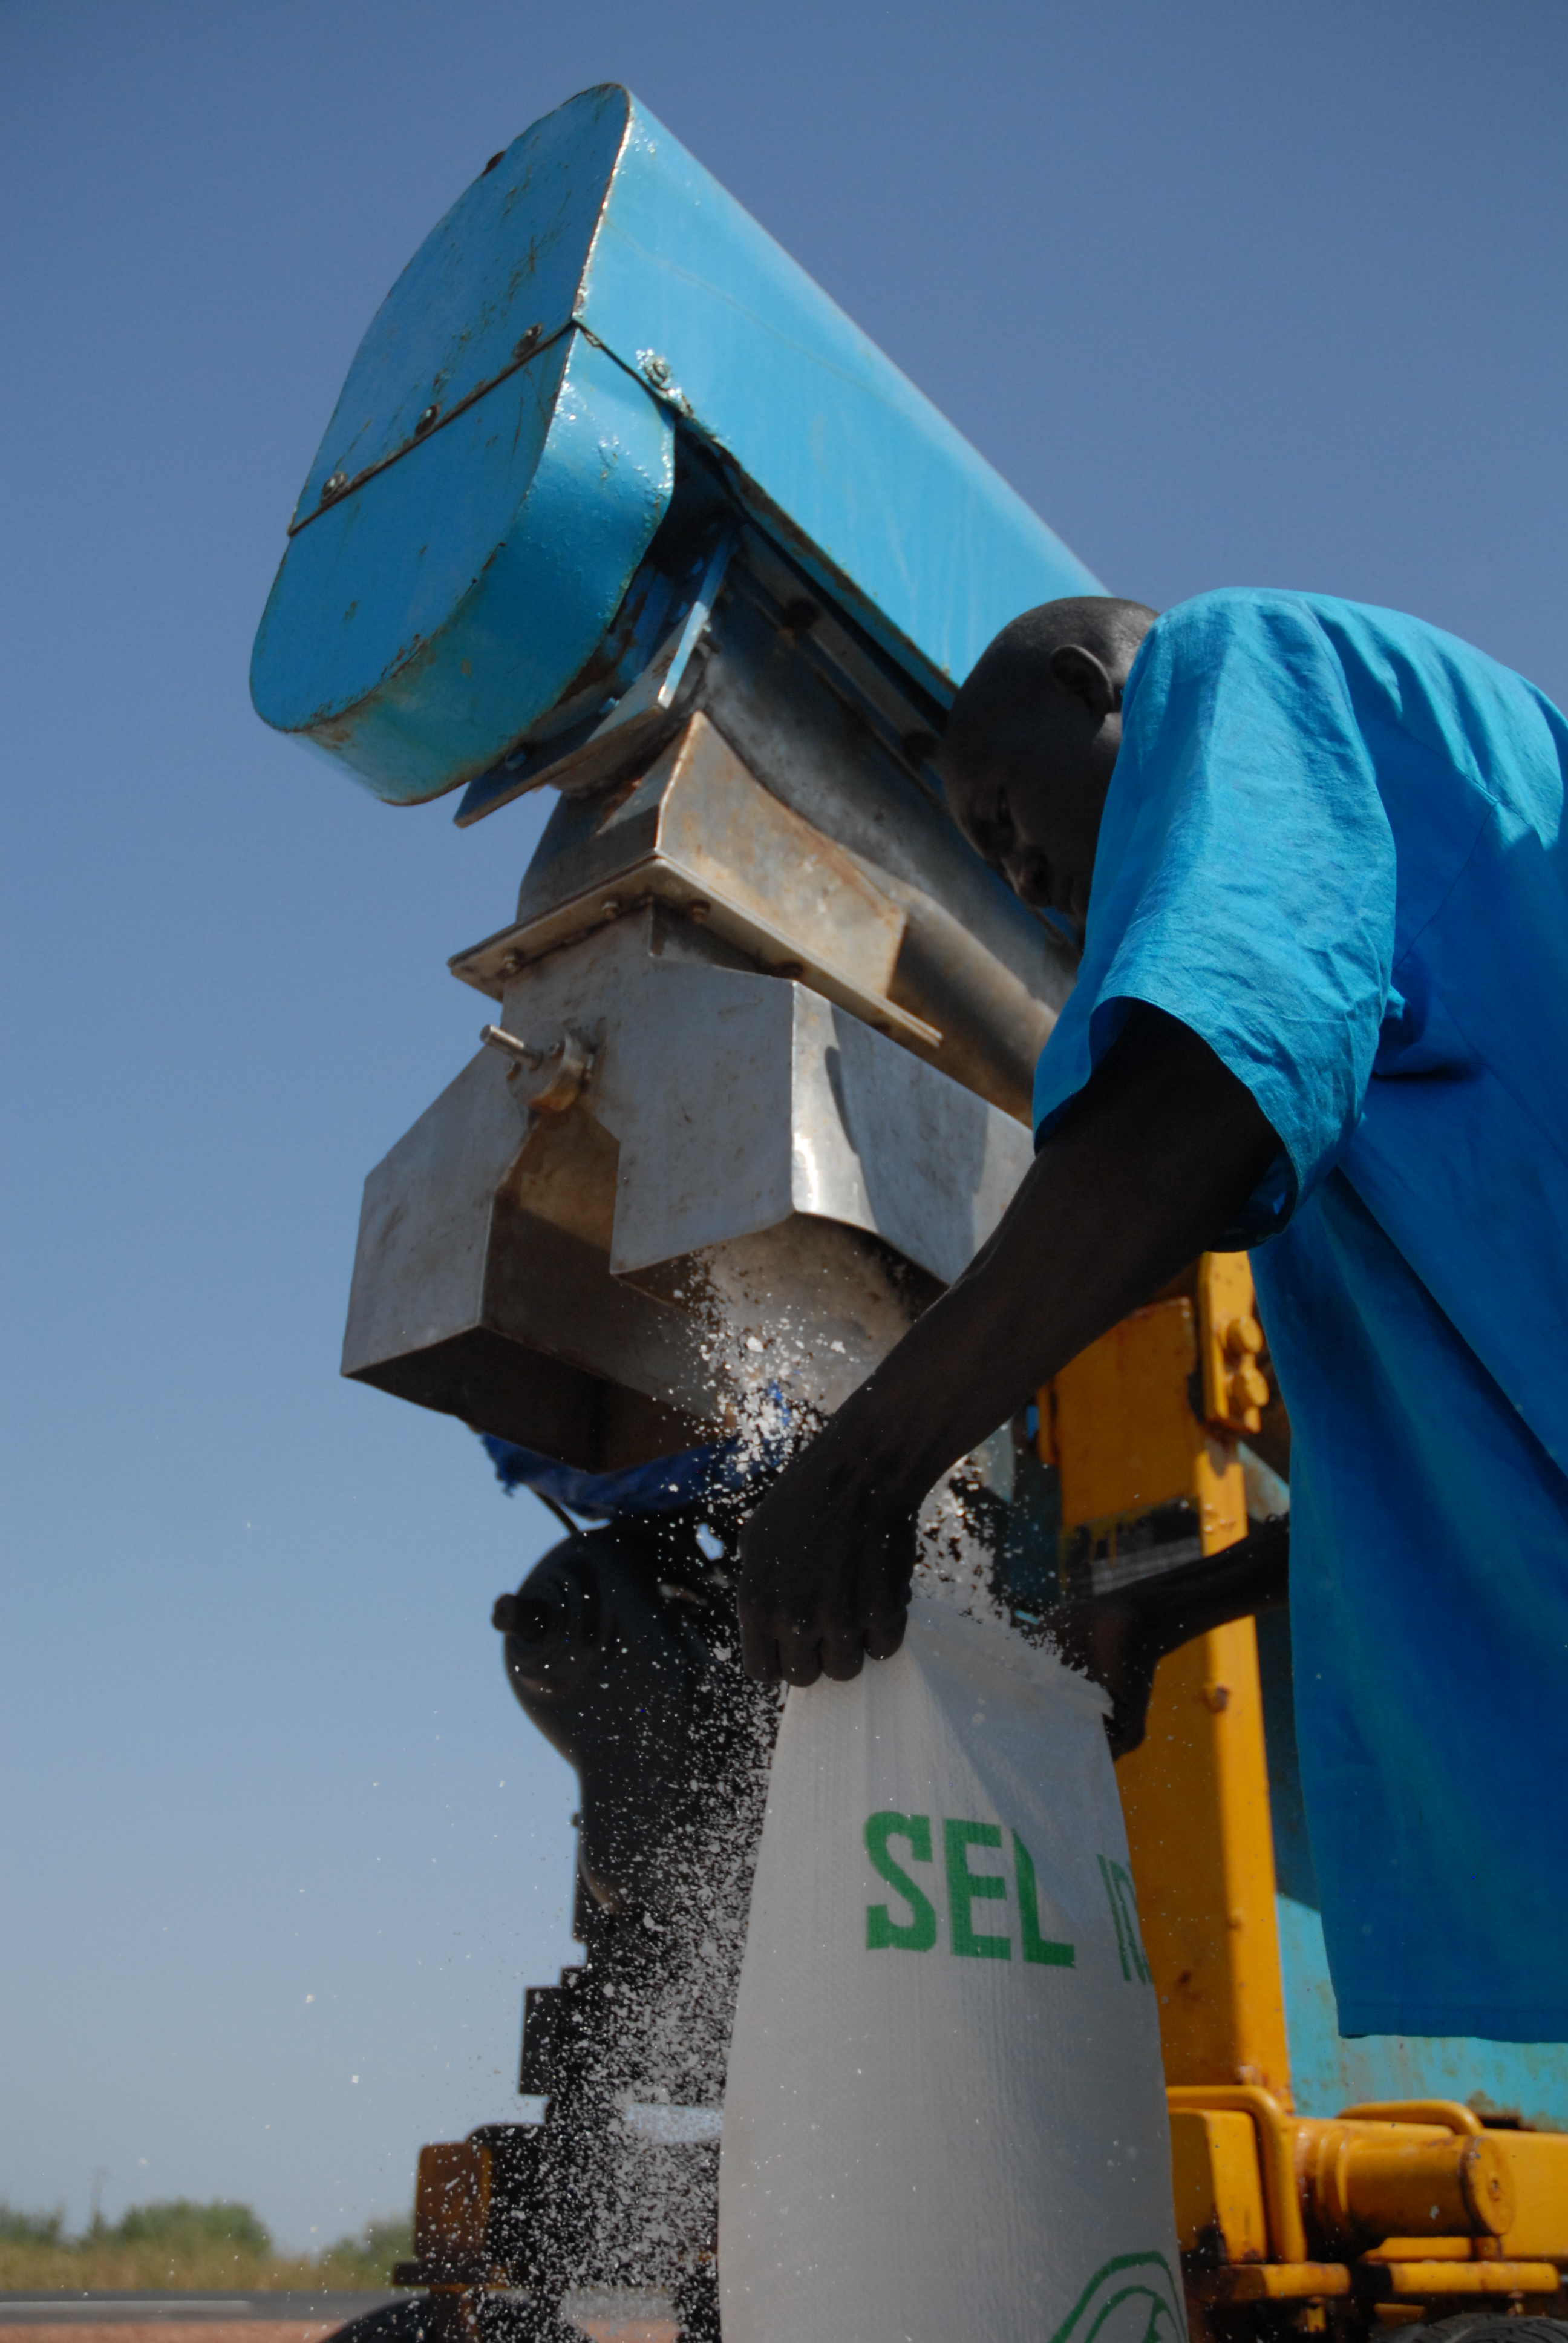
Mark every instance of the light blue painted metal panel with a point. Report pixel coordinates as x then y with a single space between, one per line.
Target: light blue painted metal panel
864 476
445 586
421 623
1331 2070
506 261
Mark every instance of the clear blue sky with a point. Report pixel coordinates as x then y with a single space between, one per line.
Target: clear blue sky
1234 294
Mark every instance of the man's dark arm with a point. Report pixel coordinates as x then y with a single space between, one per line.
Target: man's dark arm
1153 1157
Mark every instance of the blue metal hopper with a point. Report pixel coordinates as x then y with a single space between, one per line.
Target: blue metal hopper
505 450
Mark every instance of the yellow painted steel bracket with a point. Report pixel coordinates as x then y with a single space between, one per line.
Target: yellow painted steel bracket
1276 2155
1425 2203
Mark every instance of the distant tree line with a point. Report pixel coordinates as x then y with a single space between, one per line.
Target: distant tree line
178 2244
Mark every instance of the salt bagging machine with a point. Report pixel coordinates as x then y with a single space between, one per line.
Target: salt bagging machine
617 503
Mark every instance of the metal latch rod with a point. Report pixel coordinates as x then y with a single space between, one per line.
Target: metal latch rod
565 1065
510 1046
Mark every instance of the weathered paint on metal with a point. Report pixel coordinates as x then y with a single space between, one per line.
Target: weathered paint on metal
422 621
502 455
495 279
1123 1434
699 832
638 672
1195 1799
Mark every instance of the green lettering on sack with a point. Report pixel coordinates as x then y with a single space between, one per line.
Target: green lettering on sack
1036 1947
1124 1913
1123 1879
965 1886
882 1931
1116 1916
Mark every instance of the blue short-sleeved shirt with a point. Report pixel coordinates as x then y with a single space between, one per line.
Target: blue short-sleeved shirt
1331 847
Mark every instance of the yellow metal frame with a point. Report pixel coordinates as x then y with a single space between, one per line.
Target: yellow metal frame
1119 1425
1195 1796
1384 2209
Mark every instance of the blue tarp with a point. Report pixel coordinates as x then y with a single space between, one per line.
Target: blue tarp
668 1485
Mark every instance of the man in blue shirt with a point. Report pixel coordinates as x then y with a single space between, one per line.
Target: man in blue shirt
1313 854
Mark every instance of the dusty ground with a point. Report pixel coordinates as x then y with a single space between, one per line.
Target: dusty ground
180 2330
271 2330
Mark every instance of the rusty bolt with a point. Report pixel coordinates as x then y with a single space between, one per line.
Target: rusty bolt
611 910
698 912
654 367
425 421
524 342
334 484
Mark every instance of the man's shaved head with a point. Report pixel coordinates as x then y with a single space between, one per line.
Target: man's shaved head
1031 742
1014 675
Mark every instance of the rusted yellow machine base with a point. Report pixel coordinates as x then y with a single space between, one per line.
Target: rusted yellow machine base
1385 2214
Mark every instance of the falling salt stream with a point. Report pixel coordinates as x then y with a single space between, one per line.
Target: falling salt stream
654 2051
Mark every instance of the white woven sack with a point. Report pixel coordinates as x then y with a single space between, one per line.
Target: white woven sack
945 2115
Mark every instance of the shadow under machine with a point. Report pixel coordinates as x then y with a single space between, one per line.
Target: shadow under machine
616 503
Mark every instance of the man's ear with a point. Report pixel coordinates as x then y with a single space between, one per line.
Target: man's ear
1087 677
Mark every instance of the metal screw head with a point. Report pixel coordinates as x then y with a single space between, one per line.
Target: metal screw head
524 342
334 484
654 367
425 421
